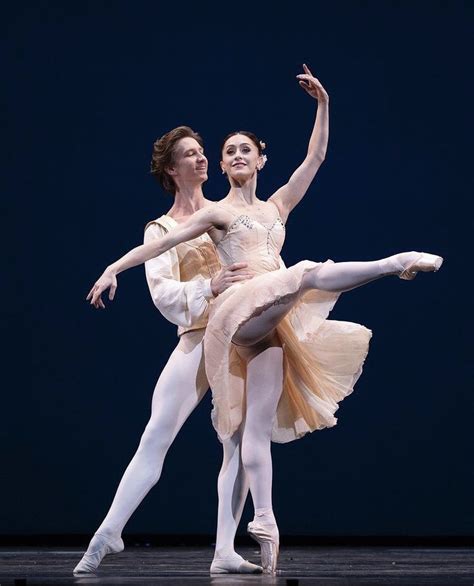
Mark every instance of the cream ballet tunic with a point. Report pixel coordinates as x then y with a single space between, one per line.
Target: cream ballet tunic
180 279
322 358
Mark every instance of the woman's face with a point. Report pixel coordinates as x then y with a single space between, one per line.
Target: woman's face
240 157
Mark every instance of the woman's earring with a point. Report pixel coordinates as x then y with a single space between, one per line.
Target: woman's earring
223 172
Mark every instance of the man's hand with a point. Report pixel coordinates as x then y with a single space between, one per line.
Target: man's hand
227 276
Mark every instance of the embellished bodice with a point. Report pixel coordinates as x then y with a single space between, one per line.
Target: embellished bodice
256 243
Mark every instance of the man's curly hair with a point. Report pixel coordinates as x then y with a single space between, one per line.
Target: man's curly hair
163 155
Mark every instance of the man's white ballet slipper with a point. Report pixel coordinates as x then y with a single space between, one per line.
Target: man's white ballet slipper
101 546
234 565
425 262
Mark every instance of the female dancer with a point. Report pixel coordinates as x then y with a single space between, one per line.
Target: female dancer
181 283
277 368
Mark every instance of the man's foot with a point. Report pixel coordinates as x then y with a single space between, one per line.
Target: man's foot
233 564
99 547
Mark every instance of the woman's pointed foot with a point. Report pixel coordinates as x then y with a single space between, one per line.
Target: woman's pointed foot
100 546
269 539
421 261
233 564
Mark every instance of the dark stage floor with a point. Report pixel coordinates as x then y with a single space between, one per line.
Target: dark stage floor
298 565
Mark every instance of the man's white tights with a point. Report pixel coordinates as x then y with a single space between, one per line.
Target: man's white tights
180 387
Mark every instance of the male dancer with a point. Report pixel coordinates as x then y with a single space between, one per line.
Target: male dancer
182 283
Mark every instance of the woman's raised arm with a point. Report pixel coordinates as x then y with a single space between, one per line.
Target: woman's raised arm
200 222
290 194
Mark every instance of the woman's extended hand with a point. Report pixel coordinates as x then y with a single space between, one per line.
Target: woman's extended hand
106 280
312 85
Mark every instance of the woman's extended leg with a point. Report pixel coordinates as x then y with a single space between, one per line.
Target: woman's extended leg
260 347
336 277
344 276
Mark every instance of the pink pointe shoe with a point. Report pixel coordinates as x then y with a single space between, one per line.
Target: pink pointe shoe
268 538
425 262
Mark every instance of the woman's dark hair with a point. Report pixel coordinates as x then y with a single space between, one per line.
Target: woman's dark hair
253 137
163 155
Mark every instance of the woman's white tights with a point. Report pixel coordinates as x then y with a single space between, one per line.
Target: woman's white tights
263 391
336 277
256 341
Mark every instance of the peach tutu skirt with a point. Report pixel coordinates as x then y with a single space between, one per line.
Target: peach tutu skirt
322 358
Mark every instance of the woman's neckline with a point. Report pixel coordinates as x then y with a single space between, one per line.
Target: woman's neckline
247 212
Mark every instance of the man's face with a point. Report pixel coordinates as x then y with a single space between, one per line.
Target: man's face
189 163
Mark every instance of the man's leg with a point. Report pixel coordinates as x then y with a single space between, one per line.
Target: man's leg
233 488
179 389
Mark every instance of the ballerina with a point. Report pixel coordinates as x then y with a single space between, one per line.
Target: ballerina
181 284
277 367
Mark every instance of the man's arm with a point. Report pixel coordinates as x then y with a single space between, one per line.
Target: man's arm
183 303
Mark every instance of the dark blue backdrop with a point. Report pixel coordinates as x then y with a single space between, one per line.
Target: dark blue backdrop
90 86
